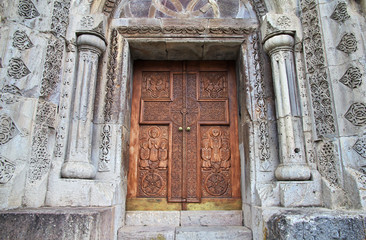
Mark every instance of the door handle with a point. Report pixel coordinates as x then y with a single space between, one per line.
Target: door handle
188 129
180 129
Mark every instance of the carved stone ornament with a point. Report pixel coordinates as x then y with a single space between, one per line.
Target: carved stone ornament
327 163
21 40
7 169
340 13
10 94
352 78
17 69
104 148
109 6
360 147
348 43
317 75
60 17
259 7
284 22
87 21
27 9
356 114
8 129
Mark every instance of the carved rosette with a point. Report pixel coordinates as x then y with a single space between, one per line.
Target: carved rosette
340 13
21 41
7 169
352 78
27 9
348 43
17 69
356 114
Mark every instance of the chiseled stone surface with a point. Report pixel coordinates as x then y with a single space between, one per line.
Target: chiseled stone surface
57 223
317 224
146 232
152 218
213 232
211 218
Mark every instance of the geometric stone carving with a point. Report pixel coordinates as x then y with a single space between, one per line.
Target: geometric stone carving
7 129
348 43
21 40
356 114
10 94
60 17
352 78
87 21
327 163
17 68
360 147
7 169
340 13
27 9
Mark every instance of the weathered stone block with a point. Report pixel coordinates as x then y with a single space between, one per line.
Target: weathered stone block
56 223
153 218
210 218
146 232
216 232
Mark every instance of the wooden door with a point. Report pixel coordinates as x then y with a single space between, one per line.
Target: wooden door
184 137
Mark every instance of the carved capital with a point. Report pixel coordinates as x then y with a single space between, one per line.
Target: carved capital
279 42
90 42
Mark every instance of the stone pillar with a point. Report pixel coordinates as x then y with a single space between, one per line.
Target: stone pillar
293 166
78 159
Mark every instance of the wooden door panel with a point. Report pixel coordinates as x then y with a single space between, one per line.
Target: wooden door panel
184 140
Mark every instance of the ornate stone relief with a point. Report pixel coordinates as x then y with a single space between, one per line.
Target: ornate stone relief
10 94
316 70
87 21
352 78
17 69
360 147
356 114
104 148
284 22
60 17
8 129
7 169
260 7
340 13
109 6
348 43
133 30
21 40
40 157
27 9
327 163
261 108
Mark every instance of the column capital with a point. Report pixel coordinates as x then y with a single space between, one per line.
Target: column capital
279 42
91 42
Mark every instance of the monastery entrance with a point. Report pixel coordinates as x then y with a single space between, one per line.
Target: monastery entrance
184 137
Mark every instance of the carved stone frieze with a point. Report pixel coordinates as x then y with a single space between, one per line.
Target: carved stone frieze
7 169
348 43
8 129
17 68
340 13
317 75
352 78
52 67
27 9
327 163
356 114
40 156
21 41
360 147
261 106
60 17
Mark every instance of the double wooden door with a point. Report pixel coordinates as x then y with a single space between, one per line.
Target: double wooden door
184 136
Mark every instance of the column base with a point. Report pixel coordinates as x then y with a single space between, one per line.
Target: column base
82 170
293 172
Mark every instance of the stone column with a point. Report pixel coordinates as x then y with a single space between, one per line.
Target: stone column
293 166
78 159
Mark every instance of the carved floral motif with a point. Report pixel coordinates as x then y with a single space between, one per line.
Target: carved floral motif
27 9
21 40
360 147
8 129
340 13
155 85
352 78
17 69
10 94
213 85
356 114
284 21
317 75
7 169
87 21
327 163
104 148
60 17
348 43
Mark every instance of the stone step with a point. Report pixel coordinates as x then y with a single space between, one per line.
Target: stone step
184 233
213 233
184 218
